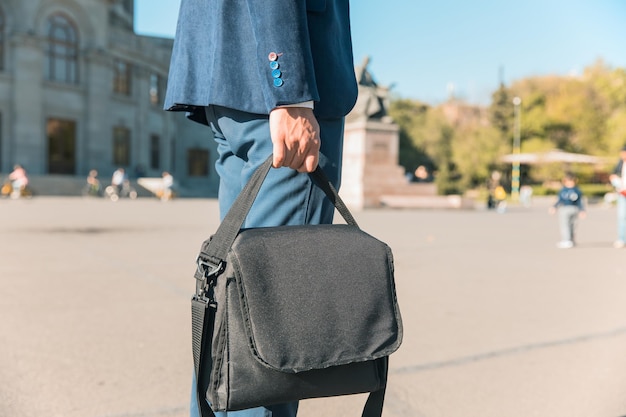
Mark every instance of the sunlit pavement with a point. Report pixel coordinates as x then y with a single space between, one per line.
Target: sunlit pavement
94 308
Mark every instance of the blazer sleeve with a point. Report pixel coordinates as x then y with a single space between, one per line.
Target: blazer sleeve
283 50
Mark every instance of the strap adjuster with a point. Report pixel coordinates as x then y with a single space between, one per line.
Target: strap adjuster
209 269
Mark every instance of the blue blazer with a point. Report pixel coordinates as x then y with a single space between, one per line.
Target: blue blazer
254 55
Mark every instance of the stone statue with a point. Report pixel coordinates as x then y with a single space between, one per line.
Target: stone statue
373 100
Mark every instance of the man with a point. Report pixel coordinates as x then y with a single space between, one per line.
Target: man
269 77
618 180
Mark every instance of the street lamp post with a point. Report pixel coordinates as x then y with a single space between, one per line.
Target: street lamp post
515 171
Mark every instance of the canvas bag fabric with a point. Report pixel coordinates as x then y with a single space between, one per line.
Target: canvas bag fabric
278 326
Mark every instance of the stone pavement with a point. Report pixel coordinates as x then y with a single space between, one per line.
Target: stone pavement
94 311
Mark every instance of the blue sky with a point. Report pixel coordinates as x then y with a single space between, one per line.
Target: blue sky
424 47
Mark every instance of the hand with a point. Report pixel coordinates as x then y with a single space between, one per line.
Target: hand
552 210
296 137
582 214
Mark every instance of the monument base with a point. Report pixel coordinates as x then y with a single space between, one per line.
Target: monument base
371 176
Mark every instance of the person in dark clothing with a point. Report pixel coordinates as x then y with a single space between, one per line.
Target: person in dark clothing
570 206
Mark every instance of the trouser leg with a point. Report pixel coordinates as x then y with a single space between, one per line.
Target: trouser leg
278 410
565 223
285 198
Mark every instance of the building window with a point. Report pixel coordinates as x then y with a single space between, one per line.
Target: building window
62 50
122 77
155 152
155 89
2 31
197 162
61 146
121 146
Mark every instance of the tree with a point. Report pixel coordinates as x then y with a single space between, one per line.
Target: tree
585 114
475 153
501 112
410 116
438 139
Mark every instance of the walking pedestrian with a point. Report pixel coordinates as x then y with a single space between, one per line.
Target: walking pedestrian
570 207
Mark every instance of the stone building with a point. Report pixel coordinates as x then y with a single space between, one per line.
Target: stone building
79 90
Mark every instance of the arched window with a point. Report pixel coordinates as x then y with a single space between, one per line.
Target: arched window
2 36
62 50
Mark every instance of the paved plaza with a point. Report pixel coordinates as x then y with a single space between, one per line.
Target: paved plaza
498 322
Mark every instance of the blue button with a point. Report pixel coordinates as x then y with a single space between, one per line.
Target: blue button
278 82
274 65
276 73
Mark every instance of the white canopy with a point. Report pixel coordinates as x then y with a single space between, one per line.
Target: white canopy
554 155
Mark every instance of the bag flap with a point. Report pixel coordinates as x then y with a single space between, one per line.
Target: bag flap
316 296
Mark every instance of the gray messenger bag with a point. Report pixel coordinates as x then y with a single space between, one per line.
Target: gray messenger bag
293 312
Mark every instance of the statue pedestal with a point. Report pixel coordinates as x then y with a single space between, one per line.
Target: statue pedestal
371 176
370 169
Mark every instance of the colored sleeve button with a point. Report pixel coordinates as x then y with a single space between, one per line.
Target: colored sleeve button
273 56
276 73
274 65
278 82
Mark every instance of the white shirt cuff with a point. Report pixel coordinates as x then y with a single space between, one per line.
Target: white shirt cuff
306 104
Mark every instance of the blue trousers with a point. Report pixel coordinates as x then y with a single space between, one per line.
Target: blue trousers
286 197
567 222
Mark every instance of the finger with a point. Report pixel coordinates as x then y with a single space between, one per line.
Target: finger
310 154
294 155
300 160
278 154
288 159
311 162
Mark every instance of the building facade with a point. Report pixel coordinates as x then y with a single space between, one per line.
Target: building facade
80 90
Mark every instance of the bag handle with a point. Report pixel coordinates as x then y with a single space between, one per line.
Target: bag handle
231 225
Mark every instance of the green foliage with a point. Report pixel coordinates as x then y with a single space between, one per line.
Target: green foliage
540 190
616 130
501 112
410 117
426 138
462 144
568 113
461 152
475 153
595 190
